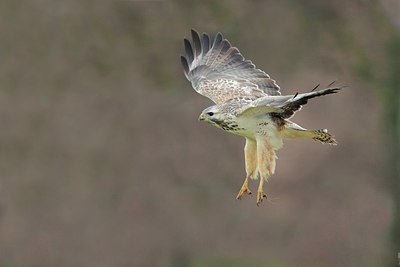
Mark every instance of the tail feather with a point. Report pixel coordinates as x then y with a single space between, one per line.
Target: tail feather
293 131
323 136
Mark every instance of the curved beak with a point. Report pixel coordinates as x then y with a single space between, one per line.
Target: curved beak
202 117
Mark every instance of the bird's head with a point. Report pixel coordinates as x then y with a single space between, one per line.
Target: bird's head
212 115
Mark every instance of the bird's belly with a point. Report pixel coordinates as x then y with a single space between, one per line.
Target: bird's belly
255 129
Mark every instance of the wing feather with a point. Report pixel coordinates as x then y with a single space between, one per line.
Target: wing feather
196 44
185 66
283 106
221 73
205 44
188 50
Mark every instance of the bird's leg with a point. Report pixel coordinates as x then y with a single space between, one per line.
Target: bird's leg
245 189
250 156
260 192
266 165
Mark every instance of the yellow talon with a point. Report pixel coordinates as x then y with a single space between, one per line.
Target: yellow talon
244 190
260 196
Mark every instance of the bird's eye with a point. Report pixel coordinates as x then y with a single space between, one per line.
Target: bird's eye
210 113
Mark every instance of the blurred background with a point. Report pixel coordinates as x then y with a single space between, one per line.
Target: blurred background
103 162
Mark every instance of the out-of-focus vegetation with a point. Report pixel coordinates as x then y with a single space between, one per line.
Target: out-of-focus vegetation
103 163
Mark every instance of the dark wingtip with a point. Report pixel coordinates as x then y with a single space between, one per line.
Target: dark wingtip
188 50
196 42
336 88
331 83
194 32
205 41
315 88
218 39
185 65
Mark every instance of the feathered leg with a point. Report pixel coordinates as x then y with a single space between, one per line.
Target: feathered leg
250 156
265 164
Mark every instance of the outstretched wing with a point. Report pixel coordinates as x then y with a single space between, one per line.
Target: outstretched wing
283 106
220 72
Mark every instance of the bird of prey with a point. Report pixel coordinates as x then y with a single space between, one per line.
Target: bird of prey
248 103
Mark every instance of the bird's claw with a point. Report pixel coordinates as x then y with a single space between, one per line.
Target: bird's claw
243 191
260 197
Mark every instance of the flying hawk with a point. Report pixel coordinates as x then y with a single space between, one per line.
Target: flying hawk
247 103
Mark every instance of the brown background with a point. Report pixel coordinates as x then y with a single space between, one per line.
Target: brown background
103 162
